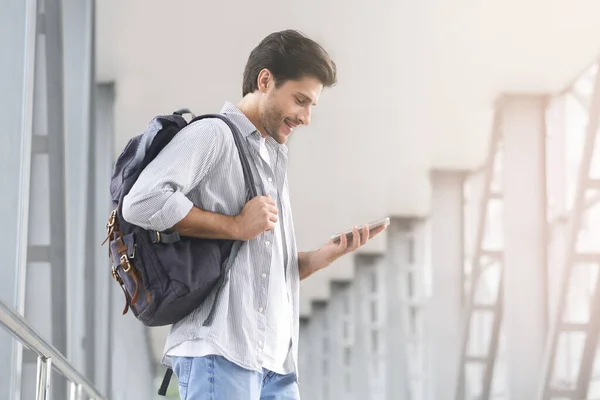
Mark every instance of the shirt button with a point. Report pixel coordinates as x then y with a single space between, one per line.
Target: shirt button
264 275
260 343
260 309
267 243
270 179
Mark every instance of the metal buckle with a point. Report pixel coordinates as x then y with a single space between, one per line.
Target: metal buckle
115 276
125 260
154 236
111 220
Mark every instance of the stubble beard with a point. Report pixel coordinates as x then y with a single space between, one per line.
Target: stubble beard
271 120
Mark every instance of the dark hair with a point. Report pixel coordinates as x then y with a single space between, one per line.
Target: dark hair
289 55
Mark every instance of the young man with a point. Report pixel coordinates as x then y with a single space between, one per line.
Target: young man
195 186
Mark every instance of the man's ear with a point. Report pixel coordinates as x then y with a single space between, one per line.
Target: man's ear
265 78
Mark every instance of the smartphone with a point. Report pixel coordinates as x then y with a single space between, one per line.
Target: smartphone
372 225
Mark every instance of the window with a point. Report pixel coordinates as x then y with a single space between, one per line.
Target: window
347 356
374 311
374 281
411 251
375 341
346 334
346 302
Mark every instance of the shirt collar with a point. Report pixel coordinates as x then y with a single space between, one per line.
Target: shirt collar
239 119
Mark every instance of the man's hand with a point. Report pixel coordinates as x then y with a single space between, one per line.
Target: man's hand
259 215
359 239
322 258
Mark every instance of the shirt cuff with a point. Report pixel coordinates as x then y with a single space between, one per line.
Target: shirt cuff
174 210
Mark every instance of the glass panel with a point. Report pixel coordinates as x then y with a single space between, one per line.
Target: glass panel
375 341
584 86
568 357
411 251
347 356
15 98
576 120
374 311
373 276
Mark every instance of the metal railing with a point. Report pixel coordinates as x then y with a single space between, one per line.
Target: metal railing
48 358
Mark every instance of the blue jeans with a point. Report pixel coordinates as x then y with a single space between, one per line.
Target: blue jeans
215 378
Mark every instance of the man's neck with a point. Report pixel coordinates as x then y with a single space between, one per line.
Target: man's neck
249 107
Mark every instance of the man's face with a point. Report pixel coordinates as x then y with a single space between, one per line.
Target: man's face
288 106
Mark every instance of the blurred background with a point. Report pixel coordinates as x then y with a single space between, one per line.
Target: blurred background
472 124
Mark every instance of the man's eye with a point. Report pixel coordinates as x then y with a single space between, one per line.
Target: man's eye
298 101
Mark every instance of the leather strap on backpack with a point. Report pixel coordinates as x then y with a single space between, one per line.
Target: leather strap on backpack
115 235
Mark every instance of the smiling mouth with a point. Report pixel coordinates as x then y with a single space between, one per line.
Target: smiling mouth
290 124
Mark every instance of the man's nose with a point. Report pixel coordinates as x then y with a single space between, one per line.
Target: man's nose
305 116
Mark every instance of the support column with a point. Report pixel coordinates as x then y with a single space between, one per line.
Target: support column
397 267
104 155
305 357
444 306
340 315
78 27
525 288
362 335
321 378
310 347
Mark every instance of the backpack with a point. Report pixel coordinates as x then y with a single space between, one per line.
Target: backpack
165 277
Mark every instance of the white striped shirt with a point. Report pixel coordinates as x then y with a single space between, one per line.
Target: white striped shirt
201 167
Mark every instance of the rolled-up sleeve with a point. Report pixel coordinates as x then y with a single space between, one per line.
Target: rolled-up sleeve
158 199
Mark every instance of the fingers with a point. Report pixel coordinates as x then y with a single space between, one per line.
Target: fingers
343 243
269 211
359 238
272 212
271 208
269 200
273 217
264 200
355 238
364 237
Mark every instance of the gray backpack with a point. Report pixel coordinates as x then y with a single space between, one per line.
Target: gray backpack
164 276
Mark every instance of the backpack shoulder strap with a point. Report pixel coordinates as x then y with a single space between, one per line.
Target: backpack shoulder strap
243 151
242 147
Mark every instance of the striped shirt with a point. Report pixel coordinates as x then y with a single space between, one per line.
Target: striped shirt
201 167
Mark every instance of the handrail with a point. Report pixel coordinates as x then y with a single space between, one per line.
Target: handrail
48 358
